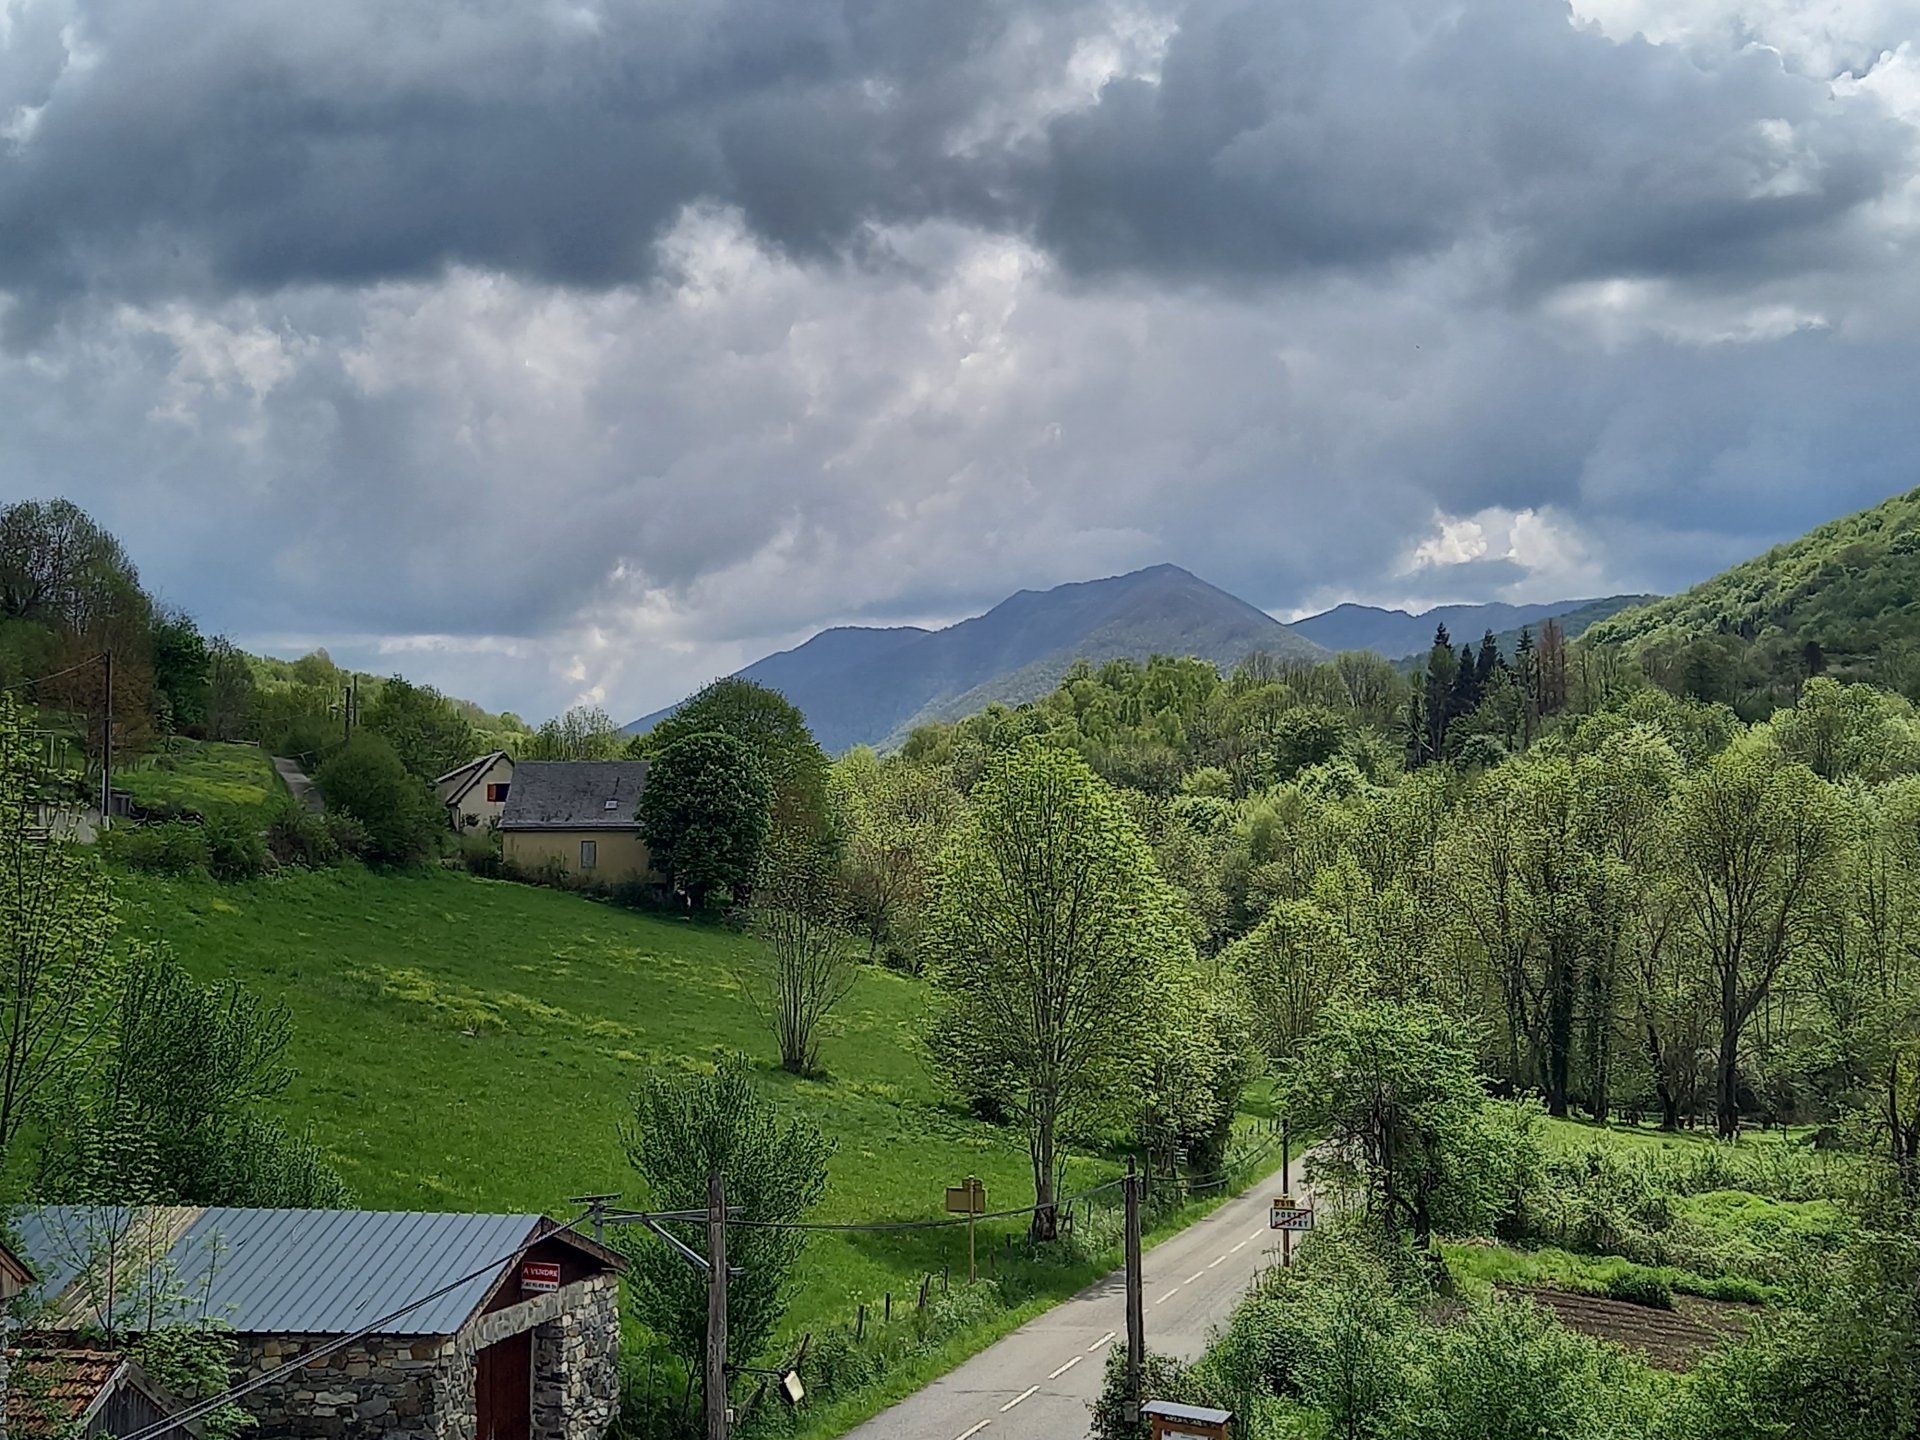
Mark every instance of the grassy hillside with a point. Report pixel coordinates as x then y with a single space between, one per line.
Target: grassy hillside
1850 588
204 776
469 1044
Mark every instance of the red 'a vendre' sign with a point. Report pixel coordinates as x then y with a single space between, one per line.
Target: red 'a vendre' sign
538 1275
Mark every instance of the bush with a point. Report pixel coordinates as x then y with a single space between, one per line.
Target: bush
479 854
235 850
175 847
365 780
1637 1285
296 836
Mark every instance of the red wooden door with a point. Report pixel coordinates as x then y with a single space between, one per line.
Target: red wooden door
503 1389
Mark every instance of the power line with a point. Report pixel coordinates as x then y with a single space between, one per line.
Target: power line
43 679
201 1408
843 1226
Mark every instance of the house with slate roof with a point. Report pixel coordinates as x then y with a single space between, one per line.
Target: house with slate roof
360 1322
576 817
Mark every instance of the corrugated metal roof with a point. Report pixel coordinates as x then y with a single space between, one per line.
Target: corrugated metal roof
574 795
283 1272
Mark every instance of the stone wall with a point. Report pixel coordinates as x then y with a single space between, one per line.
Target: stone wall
392 1386
401 1388
576 1365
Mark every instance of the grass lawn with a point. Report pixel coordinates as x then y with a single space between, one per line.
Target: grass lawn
1569 1134
469 1044
207 776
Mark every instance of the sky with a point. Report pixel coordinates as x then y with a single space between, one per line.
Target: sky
578 352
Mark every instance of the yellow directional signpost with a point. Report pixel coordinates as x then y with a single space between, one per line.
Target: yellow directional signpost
1287 1217
969 1198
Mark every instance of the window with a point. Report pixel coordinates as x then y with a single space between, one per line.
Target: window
611 805
496 794
589 854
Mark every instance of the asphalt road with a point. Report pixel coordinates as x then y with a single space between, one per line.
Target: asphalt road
1037 1383
303 790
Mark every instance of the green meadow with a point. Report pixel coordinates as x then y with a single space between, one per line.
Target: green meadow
470 1044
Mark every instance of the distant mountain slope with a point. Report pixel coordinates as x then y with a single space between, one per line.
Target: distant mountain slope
870 686
1851 587
1397 633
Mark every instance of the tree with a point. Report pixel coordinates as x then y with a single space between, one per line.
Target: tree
365 779
774 1169
171 1118
586 732
799 910
1754 838
425 729
705 814
1400 1102
897 816
1047 936
180 669
774 732
58 969
229 690
1291 963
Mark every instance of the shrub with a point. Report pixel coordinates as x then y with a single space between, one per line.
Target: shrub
235 850
1637 1285
174 847
479 854
299 837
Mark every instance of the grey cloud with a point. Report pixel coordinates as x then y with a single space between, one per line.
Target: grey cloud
258 143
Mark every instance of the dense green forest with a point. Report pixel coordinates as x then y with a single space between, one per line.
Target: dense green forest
1844 600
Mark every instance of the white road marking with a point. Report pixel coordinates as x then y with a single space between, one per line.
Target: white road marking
1064 1368
1241 1246
1101 1342
1018 1398
1215 1261
1256 1234
967 1434
1168 1296
1193 1277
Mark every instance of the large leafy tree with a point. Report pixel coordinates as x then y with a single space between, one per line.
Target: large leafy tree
1401 1103
705 814
897 817
774 732
1047 937
1755 843
365 779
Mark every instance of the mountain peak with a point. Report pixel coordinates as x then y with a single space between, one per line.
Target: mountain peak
859 685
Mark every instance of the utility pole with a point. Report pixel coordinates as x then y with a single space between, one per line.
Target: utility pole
716 1306
346 712
1136 1308
106 752
1286 1155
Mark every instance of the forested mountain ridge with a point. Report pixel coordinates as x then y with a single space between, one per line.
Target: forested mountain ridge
1843 598
1400 634
872 686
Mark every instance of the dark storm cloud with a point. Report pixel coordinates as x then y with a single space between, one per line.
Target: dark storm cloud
1324 132
256 143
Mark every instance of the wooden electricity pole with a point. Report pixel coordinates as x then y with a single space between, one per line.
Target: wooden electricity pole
106 752
716 1306
1136 1308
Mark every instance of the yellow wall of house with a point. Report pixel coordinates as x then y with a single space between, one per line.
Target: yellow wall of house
621 855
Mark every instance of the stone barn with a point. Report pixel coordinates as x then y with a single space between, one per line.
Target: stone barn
464 1327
